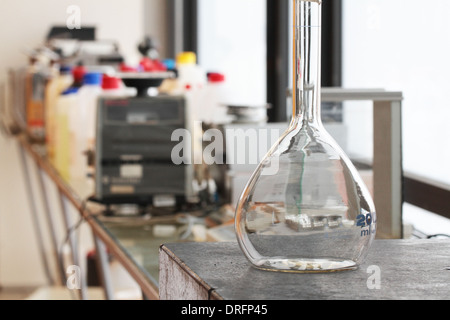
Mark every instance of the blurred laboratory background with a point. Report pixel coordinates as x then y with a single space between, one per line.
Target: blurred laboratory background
69 68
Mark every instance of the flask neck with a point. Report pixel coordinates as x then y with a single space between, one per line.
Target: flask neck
307 63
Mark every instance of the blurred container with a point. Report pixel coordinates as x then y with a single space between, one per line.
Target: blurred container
214 110
35 95
83 124
66 106
59 82
191 77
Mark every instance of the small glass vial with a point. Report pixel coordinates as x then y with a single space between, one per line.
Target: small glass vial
306 209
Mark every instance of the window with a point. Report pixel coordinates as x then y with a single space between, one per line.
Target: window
402 46
384 47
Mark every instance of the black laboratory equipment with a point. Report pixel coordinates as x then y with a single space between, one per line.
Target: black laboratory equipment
134 146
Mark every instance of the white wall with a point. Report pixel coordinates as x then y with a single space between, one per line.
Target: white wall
24 24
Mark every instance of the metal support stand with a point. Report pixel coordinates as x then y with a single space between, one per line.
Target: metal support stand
34 217
52 226
103 268
65 206
387 160
387 167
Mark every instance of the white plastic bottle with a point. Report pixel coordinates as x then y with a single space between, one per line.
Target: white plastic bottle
214 110
191 83
191 77
83 124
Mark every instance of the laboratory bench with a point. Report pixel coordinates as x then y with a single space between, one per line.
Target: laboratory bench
393 270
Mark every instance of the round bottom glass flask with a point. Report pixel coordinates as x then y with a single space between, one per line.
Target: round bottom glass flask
306 209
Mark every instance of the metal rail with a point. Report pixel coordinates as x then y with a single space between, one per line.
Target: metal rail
69 197
387 161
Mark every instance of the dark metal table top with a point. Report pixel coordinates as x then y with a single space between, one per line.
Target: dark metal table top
394 270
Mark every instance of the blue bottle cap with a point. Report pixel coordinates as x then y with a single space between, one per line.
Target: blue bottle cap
65 69
71 90
169 63
93 78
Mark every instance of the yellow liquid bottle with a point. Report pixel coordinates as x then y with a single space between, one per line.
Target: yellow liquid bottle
62 151
59 82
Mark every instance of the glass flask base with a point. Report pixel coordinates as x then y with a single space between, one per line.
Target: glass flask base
305 265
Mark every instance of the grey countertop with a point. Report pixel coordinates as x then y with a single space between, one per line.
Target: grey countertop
394 270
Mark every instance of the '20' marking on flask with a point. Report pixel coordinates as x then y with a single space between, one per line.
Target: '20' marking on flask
363 221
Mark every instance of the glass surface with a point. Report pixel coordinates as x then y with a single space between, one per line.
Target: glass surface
137 236
306 209
141 237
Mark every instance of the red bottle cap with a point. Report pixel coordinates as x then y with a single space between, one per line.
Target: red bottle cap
126 68
216 77
110 83
149 65
78 74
